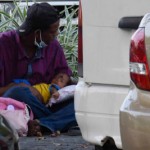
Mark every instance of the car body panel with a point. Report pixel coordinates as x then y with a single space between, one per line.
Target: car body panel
135 110
135 120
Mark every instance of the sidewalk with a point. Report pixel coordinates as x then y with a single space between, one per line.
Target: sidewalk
62 142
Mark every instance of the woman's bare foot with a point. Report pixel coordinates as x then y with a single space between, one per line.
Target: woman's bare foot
34 128
54 134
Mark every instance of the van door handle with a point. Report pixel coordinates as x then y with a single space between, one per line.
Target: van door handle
130 22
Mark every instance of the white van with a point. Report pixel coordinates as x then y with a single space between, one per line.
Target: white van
104 39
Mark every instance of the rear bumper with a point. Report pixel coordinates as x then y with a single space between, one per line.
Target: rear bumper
135 120
97 111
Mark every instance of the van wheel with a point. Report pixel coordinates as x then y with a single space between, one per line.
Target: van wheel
97 147
106 148
108 145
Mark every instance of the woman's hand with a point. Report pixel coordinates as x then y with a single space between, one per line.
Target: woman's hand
36 93
5 88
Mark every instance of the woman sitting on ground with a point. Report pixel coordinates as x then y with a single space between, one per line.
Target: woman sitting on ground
32 52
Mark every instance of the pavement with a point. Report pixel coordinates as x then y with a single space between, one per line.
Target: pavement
62 142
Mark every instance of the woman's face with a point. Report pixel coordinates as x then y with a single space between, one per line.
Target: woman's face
51 33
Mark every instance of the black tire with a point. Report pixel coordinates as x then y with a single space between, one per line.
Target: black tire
16 146
97 147
109 145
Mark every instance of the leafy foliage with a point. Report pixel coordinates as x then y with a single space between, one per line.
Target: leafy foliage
68 37
12 18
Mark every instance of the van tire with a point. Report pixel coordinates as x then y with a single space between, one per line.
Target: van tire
97 147
108 145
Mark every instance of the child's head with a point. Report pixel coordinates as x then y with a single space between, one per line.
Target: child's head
61 80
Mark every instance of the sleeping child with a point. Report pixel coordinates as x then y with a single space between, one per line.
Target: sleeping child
54 92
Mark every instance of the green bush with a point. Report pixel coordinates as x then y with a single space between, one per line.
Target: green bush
12 18
68 37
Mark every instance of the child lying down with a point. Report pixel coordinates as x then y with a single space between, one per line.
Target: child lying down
62 94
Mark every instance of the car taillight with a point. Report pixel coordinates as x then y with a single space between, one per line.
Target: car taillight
80 55
139 70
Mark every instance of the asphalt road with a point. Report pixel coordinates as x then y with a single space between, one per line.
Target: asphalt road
62 142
